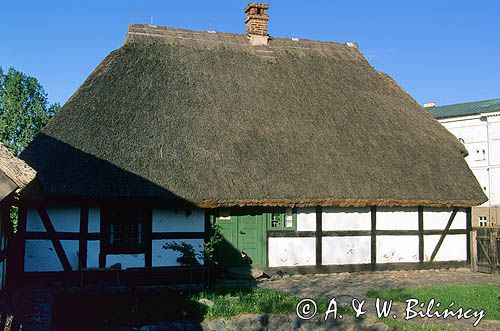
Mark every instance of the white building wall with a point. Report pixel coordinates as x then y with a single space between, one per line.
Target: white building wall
40 256
306 219
437 218
346 250
481 133
346 219
176 221
126 260
397 218
397 249
453 248
292 252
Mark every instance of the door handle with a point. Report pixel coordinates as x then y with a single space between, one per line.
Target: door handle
241 232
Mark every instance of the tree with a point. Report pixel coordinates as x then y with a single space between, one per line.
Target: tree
24 109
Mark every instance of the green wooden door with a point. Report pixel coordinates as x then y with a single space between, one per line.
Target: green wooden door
244 239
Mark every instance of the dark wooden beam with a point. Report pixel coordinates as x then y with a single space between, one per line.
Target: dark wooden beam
61 254
148 239
373 240
468 226
319 235
82 243
178 235
444 233
62 236
421 234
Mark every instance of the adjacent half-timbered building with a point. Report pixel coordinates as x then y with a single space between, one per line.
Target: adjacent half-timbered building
14 176
306 156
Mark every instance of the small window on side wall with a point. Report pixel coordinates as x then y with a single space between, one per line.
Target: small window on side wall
483 221
124 228
283 219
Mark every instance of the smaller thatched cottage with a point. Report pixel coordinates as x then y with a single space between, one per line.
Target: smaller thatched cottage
14 176
307 157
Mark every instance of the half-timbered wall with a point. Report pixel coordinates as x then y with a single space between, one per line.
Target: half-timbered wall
69 238
176 226
372 236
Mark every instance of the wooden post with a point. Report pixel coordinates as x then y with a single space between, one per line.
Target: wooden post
473 250
493 251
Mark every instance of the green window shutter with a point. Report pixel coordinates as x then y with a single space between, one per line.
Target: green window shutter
284 219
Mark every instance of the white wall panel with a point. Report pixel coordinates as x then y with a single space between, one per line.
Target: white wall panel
93 249
437 218
397 218
165 220
94 220
346 250
63 220
454 248
292 252
341 219
166 257
397 249
306 219
40 255
126 260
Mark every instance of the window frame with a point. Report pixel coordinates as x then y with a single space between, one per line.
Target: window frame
123 217
283 212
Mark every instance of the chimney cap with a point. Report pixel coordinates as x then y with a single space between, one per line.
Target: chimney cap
256 5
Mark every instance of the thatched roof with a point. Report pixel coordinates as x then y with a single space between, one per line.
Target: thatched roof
15 174
209 119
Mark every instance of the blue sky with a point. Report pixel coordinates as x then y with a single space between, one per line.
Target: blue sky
444 51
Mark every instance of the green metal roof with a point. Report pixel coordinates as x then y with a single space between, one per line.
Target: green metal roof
464 109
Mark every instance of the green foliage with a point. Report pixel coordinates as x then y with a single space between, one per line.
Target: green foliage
476 297
188 254
24 109
211 246
14 211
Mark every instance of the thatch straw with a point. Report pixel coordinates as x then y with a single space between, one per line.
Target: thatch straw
15 174
212 120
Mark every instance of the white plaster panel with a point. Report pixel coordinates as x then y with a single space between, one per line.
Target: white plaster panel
396 249
346 250
437 218
306 219
65 219
71 249
292 252
94 220
397 218
453 248
495 186
40 255
93 249
166 257
33 221
166 220
341 219
126 260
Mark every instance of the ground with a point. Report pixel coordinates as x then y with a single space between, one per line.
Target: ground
32 305
346 286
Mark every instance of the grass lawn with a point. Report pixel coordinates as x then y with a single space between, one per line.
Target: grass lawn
404 326
476 297
230 301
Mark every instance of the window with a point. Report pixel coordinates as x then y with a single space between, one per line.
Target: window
285 219
124 228
483 221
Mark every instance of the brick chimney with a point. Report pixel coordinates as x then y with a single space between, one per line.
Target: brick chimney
256 22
